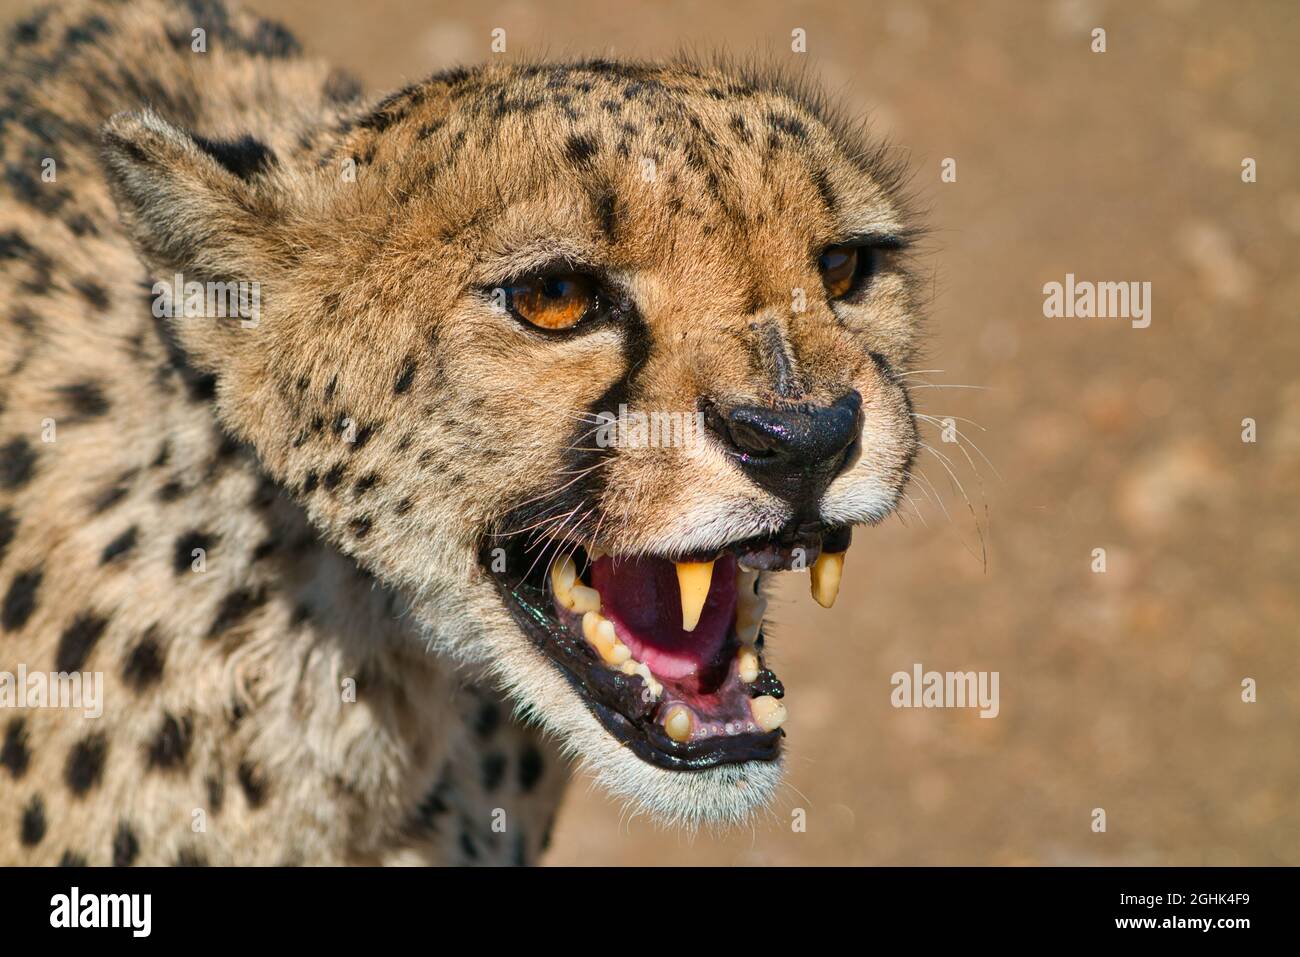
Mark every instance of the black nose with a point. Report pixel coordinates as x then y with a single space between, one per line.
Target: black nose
793 451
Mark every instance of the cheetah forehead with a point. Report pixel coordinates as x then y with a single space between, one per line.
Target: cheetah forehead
728 143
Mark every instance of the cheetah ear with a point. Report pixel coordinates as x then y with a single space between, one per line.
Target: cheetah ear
205 208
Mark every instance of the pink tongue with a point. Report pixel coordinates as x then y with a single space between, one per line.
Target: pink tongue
640 596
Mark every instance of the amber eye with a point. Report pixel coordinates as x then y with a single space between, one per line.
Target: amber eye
839 266
553 301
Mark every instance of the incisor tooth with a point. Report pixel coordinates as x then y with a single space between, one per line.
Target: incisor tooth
585 599
826 572
563 574
769 714
747 664
678 723
693 581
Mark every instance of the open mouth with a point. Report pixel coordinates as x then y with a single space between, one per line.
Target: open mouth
667 652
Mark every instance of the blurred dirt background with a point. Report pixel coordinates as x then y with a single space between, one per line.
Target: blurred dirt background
1120 690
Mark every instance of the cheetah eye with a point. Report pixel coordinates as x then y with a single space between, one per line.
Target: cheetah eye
555 301
844 268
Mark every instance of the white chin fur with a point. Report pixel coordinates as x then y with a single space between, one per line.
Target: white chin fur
717 797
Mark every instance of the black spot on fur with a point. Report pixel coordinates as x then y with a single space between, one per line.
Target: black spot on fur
85 767
366 483
487 720
254 787
144 664
17 464
494 769
468 847
170 491
120 547
216 793
580 148
171 745
8 529
190 857
78 640
183 556
72 859
234 608
272 39
245 157
530 768
405 377
404 506
93 293
334 476
86 399
310 482
109 497
33 825
14 755
20 599
361 526
125 845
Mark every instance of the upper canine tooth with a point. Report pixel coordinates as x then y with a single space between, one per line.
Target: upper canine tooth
585 599
769 714
563 574
693 581
826 572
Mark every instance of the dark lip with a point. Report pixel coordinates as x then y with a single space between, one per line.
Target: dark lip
616 699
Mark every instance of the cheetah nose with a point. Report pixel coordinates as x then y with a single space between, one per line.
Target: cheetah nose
793 451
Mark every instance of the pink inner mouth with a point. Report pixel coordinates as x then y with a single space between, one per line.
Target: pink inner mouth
641 597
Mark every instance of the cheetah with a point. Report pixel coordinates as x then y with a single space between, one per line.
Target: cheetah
362 572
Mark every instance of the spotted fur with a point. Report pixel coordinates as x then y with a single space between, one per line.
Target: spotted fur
244 529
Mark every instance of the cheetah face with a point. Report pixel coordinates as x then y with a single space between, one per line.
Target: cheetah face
621 343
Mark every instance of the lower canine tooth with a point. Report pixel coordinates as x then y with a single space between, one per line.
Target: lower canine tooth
769 714
678 723
826 572
693 581
747 664
585 599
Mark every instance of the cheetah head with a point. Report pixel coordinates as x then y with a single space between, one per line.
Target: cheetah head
574 357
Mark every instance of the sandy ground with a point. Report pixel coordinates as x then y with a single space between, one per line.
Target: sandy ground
1120 690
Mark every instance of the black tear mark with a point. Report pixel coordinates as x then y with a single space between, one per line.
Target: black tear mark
245 157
